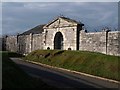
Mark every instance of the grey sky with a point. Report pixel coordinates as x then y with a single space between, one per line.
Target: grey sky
60 0
18 17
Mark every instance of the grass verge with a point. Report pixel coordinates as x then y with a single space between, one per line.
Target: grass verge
98 64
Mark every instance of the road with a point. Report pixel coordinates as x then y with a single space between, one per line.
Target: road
62 79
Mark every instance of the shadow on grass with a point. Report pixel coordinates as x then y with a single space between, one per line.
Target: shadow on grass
15 77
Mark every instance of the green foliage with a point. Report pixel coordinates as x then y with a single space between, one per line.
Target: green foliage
11 54
83 61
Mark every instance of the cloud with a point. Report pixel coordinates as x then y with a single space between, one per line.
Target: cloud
40 5
22 16
60 1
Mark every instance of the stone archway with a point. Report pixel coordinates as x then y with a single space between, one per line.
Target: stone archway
58 41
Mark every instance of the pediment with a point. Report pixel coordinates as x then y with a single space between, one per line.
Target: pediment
61 22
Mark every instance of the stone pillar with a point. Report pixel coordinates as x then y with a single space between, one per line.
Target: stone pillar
18 46
80 29
4 43
44 36
106 38
81 36
31 40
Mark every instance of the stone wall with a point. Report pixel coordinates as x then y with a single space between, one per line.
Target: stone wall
113 46
24 44
67 34
28 43
68 31
93 41
11 43
37 42
103 42
69 37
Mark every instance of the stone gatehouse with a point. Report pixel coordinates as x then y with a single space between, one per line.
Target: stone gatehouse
65 34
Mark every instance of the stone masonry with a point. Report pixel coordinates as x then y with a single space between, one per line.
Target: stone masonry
66 34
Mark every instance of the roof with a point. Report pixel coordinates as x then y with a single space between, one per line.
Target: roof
39 29
36 30
65 18
71 20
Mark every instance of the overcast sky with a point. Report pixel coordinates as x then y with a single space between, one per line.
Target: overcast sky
60 0
18 17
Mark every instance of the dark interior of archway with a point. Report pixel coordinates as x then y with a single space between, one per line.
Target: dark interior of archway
58 41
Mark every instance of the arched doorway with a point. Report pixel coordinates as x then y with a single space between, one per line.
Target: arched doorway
58 41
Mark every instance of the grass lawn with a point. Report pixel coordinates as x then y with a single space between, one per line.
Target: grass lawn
14 77
88 62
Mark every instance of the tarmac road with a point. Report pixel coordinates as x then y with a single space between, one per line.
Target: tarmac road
63 79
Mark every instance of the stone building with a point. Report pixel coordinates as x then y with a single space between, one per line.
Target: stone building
65 34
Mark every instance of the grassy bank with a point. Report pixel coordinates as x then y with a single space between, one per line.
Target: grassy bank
88 62
14 77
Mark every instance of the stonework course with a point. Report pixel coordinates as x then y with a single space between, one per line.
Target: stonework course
65 34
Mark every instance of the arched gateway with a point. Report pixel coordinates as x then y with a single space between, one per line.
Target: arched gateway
61 30
58 41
